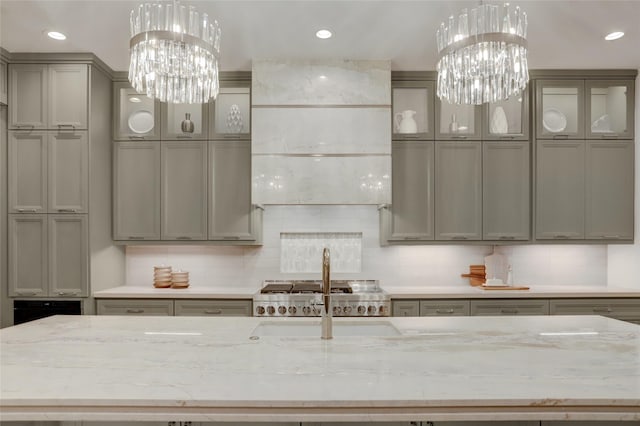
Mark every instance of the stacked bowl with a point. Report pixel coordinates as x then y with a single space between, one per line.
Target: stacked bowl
162 276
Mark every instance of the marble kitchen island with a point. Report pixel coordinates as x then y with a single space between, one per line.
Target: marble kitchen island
84 368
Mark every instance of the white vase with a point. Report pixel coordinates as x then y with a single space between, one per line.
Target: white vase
499 122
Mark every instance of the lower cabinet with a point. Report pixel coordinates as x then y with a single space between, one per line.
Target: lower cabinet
405 308
510 307
436 308
175 307
48 255
622 309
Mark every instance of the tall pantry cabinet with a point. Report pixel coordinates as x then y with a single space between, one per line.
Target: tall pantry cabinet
58 150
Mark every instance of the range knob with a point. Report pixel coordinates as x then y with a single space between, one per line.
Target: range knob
271 310
337 310
293 310
382 310
282 310
316 311
306 310
371 310
347 310
361 310
260 310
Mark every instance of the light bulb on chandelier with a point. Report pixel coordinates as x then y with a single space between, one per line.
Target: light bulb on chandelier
482 56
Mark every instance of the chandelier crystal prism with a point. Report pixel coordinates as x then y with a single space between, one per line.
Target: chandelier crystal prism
483 56
174 53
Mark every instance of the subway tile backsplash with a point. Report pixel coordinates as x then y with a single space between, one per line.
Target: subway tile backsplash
433 265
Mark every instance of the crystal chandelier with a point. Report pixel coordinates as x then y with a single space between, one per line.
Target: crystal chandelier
174 53
483 57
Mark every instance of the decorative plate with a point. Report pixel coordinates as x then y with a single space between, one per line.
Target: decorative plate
554 120
141 121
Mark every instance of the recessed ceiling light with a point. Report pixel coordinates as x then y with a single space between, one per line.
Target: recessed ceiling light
56 35
323 34
614 35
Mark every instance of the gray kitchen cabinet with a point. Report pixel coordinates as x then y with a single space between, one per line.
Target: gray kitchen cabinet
203 307
28 269
68 100
509 307
486 423
27 172
28 96
560 190
48 255
184 188
48 172
52 96
232 217
458 190
405 308
68 255
609 109
444 307
505 191
4 81
142 307
455 121
184 121
68 172
559 109
410 216
609 185
627 309
136 189
135 116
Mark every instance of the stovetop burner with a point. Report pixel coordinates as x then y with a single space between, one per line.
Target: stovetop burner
281 288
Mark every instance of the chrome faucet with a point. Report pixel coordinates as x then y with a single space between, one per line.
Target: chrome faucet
326 325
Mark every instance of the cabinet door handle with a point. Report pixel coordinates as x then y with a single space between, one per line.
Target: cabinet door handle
609 136
611 237
602 310
67 293
511 137
507 237
62 125
411 238
508 311
228 136
26 293
404 136
561 237
27 210
67 210
136 138
561 136
183 238
25 126
459 237
444 311
231 238
134 311
213 311
135 238
459 137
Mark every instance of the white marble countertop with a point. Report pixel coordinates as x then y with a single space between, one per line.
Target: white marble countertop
412 292
192 292
82 368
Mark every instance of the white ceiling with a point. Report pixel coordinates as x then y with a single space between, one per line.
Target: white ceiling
562 34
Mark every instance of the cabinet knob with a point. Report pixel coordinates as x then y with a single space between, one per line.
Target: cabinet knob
183 238
507 237
135 238
459 237
508 311
561 237
27 210
67 210
444 311
67 293
135 311
213 311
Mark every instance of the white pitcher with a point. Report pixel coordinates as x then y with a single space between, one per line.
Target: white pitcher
405 123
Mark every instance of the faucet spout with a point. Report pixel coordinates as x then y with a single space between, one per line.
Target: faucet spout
327 327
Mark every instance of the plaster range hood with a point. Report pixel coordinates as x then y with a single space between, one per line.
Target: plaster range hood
321 132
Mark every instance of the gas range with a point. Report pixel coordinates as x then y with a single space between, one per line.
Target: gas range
303 298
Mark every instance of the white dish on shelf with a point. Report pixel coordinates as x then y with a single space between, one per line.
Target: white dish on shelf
141 121
554 120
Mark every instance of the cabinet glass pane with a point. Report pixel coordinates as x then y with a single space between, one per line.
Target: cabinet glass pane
410 110
233 110
505 117
177 114
560 109
457 119
609 109
137 114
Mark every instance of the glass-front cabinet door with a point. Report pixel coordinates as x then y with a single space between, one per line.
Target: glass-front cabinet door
507 119
560 109
135 115
231 115
184 121
609 109
413 107
458 121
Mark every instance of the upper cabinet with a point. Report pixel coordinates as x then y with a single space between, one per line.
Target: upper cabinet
135 116
184 121
609 109
458 121
4 81
507 119
560 109
231 111
413 109
48 96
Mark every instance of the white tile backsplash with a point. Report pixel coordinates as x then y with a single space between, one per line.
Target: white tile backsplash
433 265
303 251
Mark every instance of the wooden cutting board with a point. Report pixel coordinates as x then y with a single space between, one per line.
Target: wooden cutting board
503 287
